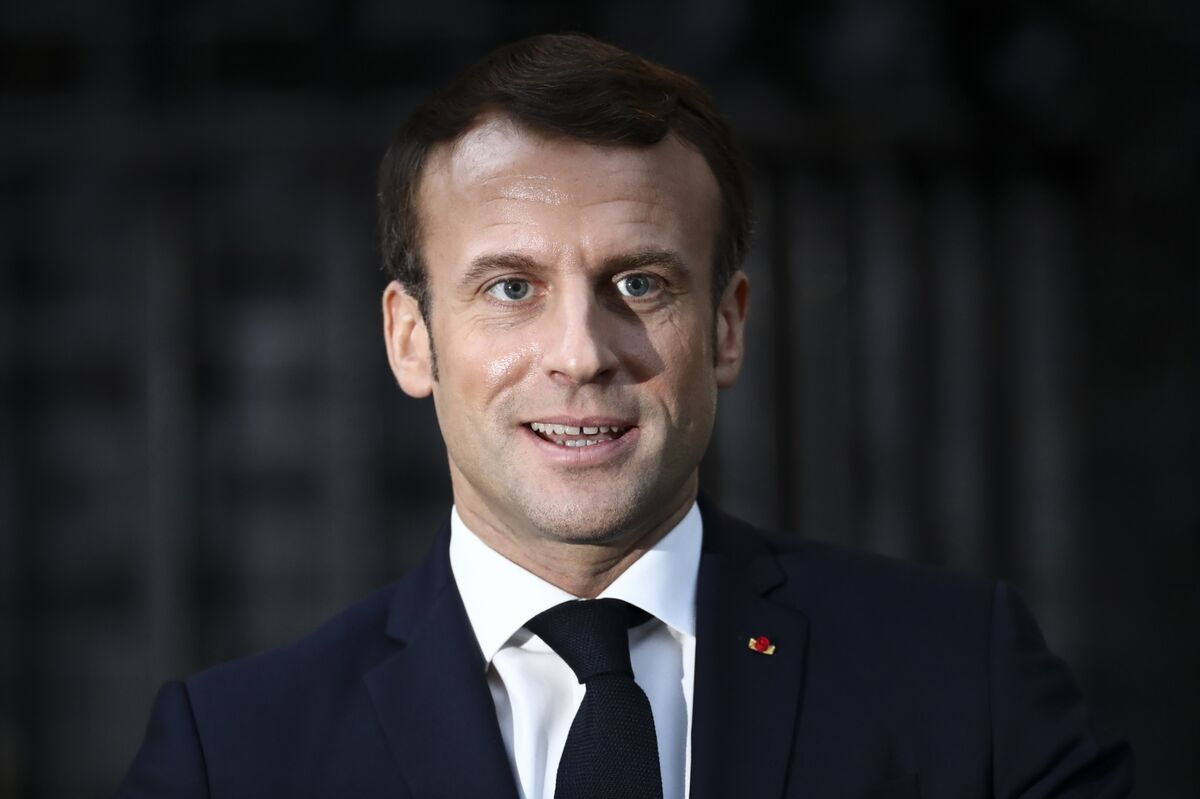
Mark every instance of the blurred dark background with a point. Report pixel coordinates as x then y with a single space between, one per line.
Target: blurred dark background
973 338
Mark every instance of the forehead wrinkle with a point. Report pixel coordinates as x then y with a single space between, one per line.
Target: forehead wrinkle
640 194
524 188
649 203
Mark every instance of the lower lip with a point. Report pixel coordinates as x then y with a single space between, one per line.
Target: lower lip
587 455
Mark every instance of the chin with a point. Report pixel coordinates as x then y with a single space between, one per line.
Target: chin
598 520
582 522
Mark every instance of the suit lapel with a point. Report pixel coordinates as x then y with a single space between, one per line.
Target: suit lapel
433 701
432 696
746 704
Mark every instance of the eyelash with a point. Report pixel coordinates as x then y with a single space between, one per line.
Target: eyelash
490 290
656 286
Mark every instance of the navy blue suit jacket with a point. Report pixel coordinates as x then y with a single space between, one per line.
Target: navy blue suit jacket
888 681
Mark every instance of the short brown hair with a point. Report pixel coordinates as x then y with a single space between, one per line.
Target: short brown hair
566 85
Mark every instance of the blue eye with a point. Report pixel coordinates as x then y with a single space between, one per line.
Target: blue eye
510 290
636 285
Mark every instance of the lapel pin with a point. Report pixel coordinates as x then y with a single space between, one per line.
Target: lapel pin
762 645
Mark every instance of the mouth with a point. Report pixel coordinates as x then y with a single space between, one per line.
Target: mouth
582 434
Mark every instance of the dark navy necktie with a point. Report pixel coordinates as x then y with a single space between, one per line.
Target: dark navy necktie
611 751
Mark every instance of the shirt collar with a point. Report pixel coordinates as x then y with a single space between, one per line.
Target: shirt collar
661 582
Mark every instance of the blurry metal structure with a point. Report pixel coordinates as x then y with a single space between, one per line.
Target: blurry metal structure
973 335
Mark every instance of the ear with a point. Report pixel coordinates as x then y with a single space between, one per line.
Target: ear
407 342
731 324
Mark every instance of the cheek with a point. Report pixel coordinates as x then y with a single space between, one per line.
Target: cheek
687 342
499 370
686 383
495 363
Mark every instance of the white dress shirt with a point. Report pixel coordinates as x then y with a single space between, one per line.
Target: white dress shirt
536 693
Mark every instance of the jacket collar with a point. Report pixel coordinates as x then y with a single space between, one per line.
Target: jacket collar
746 703
436 709
432 696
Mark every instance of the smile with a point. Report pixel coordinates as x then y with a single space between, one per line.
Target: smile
566 435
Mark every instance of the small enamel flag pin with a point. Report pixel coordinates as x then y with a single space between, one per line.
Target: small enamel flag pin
762 645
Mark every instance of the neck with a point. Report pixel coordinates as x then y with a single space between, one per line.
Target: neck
583 569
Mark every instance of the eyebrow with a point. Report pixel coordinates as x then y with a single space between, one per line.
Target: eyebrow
488 264
643 258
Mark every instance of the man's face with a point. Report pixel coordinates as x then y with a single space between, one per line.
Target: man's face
573 319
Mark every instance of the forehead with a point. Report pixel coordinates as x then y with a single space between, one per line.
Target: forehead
501 178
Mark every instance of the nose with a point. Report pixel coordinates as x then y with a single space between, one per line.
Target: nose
578 340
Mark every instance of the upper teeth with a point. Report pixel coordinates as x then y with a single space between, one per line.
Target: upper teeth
572 430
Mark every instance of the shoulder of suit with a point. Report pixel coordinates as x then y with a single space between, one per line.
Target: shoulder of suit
338 652
839 583
839 562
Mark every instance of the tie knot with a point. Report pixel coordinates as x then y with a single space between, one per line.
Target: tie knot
591 635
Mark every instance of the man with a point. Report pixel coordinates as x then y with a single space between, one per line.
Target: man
565 225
